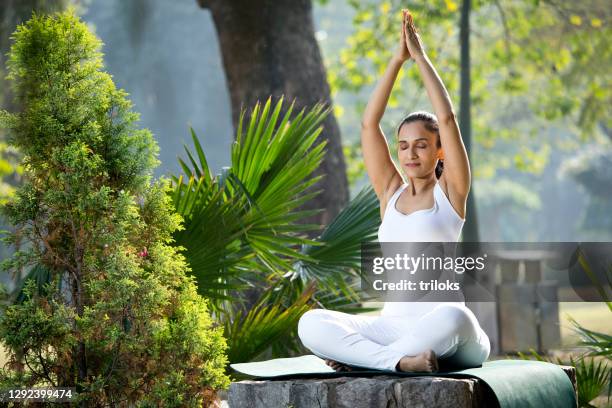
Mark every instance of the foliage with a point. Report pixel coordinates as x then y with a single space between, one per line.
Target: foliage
599 344
355 167
504 192
251 332
591 167
591 379
119 318
8 170
245 231
531 63
506 203
256 199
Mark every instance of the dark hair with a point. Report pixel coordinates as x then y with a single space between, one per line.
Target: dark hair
431 123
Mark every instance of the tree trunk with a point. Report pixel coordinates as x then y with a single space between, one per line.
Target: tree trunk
269 49
470 231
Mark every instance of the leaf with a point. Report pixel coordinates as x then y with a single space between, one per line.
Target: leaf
251 334
335 262
575 20
451 5
599 344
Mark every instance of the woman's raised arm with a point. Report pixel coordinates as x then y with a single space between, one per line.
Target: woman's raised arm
456 164
376 154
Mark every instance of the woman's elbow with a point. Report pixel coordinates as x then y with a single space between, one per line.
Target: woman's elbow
448 118
368 126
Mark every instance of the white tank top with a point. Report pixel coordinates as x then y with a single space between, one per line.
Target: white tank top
441 223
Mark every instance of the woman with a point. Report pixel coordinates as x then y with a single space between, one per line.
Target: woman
430 207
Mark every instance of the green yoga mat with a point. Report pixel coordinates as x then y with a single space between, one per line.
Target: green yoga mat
515 383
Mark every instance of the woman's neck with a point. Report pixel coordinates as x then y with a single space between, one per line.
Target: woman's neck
418 185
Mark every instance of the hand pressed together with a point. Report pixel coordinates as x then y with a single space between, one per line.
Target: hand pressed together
411 36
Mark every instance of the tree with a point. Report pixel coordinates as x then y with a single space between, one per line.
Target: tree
269 48
119 319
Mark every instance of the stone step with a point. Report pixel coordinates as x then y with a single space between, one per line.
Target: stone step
366 392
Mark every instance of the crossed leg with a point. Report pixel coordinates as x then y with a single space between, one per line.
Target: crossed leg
396 343
349 339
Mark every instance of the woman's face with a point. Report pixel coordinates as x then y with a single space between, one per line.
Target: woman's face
418 153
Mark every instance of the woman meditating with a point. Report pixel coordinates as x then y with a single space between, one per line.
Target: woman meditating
428 207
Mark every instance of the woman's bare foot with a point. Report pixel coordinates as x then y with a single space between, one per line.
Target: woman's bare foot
422 362
338 366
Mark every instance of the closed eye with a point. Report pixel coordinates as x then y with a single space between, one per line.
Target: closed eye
404 146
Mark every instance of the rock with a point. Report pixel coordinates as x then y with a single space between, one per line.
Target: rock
355 392
366 392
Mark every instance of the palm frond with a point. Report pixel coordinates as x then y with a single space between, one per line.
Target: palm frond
211 235
591 378
337 255
286 157
251 334
599 344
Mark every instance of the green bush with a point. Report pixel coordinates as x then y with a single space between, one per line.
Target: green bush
120 319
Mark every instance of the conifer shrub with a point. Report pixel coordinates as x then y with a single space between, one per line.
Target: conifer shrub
119 317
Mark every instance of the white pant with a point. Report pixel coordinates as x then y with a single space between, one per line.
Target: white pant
379 342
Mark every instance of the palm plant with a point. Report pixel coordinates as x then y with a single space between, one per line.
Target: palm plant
591 378
245 236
